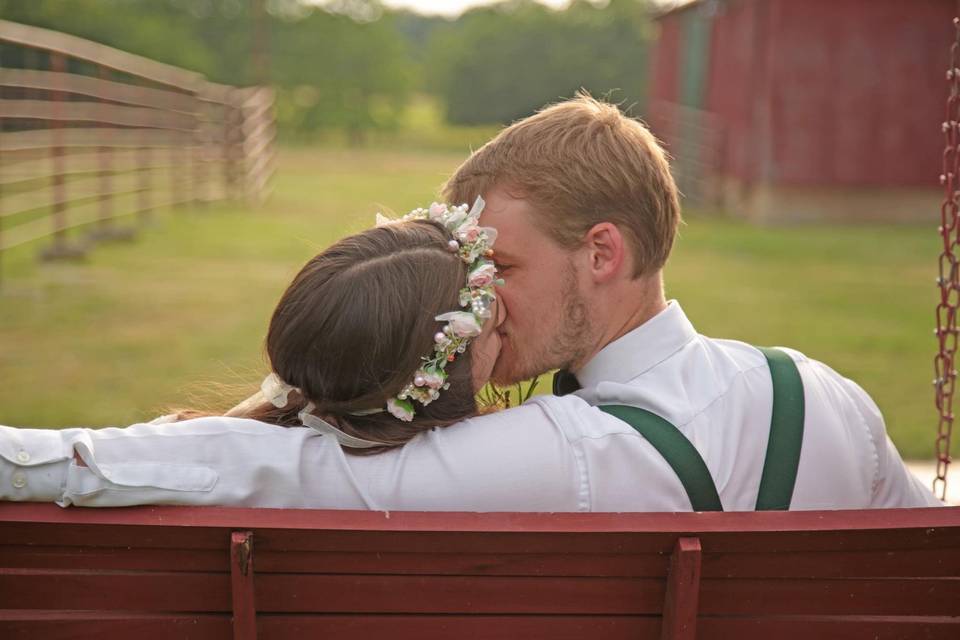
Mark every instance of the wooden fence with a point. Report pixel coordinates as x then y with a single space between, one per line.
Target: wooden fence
90 134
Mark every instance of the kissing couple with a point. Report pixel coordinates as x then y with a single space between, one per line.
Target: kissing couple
549 256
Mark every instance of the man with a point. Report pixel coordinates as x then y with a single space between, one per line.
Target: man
587 211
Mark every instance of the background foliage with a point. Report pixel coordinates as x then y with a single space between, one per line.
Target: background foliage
350 67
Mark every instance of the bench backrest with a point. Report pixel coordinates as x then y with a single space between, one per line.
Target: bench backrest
176 572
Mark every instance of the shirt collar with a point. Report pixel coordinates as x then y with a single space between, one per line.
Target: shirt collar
639 350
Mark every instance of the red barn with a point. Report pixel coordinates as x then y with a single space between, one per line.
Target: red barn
803 110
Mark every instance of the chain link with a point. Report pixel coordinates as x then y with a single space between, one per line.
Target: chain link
948 279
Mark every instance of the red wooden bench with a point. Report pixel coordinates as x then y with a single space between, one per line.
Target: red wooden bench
174 572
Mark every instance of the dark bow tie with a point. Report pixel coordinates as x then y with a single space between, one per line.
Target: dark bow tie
564 382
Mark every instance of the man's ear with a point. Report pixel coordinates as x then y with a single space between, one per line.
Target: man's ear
606 251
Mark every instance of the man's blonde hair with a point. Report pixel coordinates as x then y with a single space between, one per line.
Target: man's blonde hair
578 163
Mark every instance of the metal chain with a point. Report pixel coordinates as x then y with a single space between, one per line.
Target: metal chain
949 276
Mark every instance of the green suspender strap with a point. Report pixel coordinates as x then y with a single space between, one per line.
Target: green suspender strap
679 453
783 449
786 433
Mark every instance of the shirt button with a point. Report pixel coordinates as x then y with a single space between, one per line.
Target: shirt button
23 456
19 480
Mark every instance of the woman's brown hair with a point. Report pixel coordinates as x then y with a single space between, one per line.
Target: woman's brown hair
352 327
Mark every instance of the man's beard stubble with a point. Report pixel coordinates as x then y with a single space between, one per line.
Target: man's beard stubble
569 345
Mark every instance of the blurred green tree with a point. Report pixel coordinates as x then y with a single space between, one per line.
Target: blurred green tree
351 66
500 63
336 72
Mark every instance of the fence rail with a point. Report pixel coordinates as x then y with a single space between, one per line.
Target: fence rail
90 134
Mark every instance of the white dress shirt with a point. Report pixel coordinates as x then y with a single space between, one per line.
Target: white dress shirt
551 454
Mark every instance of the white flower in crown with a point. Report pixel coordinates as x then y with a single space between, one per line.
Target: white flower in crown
437 211
463 324
383 221
455 218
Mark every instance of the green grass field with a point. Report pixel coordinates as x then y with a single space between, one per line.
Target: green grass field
171 318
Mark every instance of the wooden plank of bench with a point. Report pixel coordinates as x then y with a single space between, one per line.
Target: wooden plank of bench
843 596
831 628
112 558
353 627
425 627
897 563
309 593
639 563
111 590
683 591
430 542
340 520
71 625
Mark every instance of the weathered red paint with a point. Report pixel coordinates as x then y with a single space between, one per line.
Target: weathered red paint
842 93
243 604
179 572
683 591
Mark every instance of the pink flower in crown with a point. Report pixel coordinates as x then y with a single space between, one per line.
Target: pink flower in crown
463 324
468 233
482 275
434 379
437 211
400 409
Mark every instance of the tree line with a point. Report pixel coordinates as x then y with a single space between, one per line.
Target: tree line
352 65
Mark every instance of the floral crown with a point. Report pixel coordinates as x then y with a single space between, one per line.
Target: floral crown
474 245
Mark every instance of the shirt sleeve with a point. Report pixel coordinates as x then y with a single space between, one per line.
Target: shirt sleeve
894 486
33 464
207 461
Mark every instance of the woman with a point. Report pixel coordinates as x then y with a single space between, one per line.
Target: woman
377 343
363 314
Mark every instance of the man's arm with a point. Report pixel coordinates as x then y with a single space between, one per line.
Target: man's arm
895 486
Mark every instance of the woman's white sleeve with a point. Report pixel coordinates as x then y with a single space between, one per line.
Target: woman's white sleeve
33 464
196 462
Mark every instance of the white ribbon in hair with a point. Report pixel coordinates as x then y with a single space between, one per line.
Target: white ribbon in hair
276 391
319 424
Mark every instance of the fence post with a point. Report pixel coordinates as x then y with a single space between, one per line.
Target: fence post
198 170
2 124
143 172
60 248
104 162
176 138
229 128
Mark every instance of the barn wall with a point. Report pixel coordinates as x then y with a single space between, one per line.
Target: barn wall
736 90
664 76
841 98
857 91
